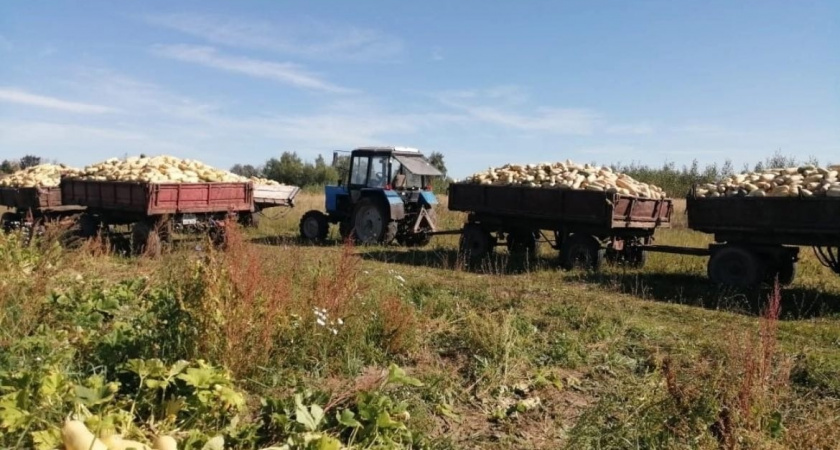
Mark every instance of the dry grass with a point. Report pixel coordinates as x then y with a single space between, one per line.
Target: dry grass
652 358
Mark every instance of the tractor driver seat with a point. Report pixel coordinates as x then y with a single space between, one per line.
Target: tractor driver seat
399 181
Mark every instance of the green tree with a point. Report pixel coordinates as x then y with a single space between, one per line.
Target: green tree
9 166
324 174
246 170
29 161
288 169
436 159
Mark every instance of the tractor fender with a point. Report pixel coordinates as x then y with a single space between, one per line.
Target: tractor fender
428 198
392 202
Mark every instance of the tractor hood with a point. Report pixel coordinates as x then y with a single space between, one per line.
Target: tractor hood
418 165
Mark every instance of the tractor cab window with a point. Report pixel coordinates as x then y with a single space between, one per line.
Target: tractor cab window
379 172
359 175
402 178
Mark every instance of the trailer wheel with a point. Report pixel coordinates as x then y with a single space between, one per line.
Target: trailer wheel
145 240
581 251
476 243
523 242
372 225
88 226
735 266
249 219
6 221
632 256
785 271
314 226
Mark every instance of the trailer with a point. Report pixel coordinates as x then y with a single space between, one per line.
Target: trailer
31 207
757 239
585 226
269 196
154 211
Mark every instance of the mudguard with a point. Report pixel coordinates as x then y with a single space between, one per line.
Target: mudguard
429 198
396 205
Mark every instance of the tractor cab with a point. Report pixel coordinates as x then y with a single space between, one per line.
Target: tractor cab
385 195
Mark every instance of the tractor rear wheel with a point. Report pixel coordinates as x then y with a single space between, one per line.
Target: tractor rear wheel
314 226
372 225
581 251
345 229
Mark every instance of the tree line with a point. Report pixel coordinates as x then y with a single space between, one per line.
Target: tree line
677 182
11 166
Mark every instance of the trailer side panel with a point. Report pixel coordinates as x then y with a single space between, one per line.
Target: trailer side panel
158 199
30 197
593 208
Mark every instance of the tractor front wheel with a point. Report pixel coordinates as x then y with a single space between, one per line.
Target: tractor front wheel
372 225
314 226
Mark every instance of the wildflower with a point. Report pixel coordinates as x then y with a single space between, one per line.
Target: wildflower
320 322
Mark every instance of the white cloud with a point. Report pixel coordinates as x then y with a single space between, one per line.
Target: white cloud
630 128
79 144
21 97
287 73
302 37
483 106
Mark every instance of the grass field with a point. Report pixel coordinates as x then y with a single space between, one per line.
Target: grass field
336 346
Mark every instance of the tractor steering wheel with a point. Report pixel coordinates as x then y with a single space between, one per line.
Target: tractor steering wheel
378 179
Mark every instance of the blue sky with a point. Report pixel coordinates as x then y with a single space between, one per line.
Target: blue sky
482 82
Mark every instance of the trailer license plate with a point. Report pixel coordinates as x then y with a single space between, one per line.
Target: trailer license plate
189 220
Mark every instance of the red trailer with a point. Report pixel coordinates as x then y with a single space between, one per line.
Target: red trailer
31 206
155 210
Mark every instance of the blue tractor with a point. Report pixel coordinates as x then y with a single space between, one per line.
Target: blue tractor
386 196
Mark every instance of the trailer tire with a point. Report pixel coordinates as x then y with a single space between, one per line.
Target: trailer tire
249 219
582 251
785 271
523 242
6 221
635 257
735 266
88 226
476 243
372 224
314 226
145 240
